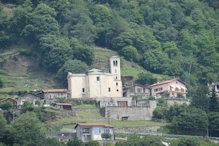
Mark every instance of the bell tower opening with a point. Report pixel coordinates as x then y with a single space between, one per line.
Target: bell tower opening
115 67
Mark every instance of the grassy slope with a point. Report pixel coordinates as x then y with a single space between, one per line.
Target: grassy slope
93 117
102 56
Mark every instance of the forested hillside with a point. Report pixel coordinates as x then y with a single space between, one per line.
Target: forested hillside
170 37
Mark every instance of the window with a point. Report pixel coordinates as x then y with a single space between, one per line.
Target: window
177 89
116 84
116 77
182 90
115 71
83 90
117 90
132 90
139 90
217 87
106 130
109 89
155 90
98 78
172 93
176 82
115 63
85 130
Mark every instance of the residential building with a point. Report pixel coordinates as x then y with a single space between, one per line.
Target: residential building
216 88
137 91
172 87
27 97
65 106
96 83
54 93
13 101
93 131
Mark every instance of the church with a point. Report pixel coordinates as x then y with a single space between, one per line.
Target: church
97 84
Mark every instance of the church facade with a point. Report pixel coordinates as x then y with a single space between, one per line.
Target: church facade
96 83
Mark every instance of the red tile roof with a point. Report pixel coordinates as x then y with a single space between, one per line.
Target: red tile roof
165 82
65 104
54 90
93 124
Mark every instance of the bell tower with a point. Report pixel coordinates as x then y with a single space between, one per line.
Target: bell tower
115 67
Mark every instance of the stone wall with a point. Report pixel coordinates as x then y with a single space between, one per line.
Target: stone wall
133 113
142 129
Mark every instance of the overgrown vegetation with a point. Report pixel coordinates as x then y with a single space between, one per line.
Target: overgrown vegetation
173 38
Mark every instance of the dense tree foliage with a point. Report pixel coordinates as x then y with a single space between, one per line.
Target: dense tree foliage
158 35
73 66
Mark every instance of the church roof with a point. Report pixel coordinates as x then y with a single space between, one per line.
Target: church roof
114 57
95 70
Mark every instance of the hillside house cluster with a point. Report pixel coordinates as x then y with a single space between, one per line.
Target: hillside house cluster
98 84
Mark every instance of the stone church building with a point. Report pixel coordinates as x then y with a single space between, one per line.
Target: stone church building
96 83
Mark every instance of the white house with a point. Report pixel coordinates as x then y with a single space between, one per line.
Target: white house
138 91
96 83
173 87
54 93
93 131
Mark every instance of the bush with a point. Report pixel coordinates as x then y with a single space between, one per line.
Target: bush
146 78
106 135
24 51
130 53
6 105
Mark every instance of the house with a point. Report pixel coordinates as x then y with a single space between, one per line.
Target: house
172 87
13 102
96 83
94 131
65 106
137 91
27 97
216 88
54 93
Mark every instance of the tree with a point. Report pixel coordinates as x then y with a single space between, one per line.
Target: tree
193 120
6 105
3 123
188 141
73 66
146 78
85 54
27 127
200 99
75 142
92 143
160 113
213 118
213 103
53 142
26 104
130 53
60 52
